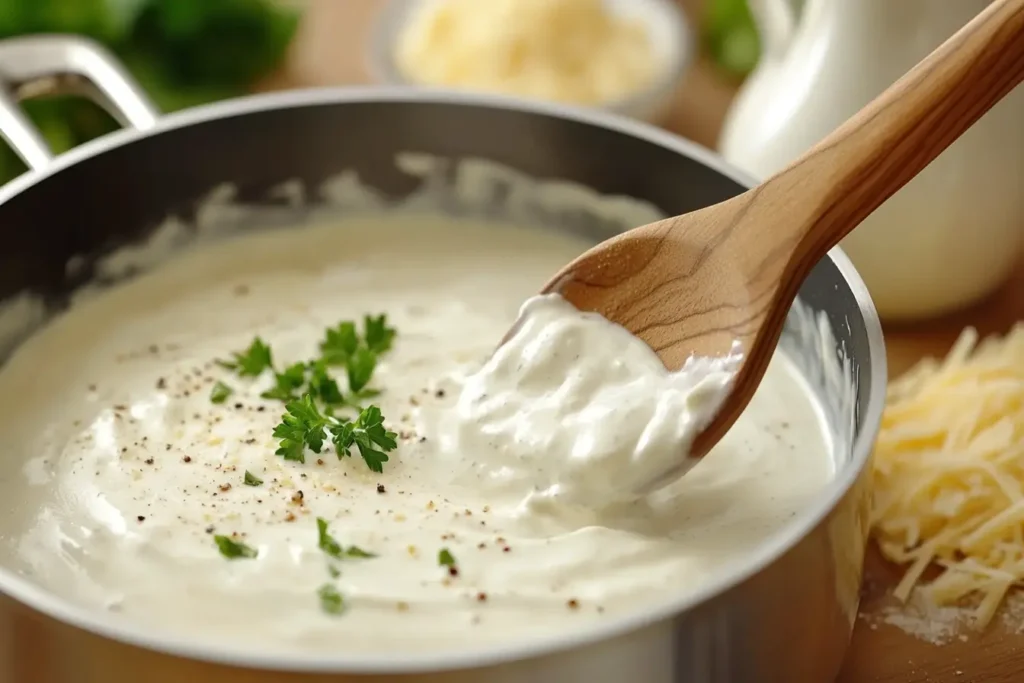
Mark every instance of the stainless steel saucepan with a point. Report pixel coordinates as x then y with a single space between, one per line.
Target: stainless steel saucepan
784 617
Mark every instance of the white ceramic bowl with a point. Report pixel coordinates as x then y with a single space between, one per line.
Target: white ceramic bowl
669 29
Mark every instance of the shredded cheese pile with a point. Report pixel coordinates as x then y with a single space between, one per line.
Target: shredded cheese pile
573 51
949 475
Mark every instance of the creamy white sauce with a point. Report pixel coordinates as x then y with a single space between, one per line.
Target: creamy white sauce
129 469
576 410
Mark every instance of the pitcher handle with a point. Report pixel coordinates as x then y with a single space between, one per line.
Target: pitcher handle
776 23
43 65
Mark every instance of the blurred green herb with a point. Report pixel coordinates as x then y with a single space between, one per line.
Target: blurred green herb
331 601
182 52
220 392
731 37
234 550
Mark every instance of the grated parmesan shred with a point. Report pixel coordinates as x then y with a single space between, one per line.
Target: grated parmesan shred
949 476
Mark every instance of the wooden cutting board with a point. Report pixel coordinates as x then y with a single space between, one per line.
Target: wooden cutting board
329 51
884 654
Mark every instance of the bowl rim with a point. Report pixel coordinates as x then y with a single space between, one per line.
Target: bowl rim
96 622
390 18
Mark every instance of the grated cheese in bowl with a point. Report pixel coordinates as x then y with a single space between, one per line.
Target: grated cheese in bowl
626 55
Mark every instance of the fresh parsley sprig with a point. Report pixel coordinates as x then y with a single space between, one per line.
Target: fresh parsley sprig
311 378
368 435
342 347
304 426
287 383
342 342
312 396
359 370
301 426
339 343
323 387
376 333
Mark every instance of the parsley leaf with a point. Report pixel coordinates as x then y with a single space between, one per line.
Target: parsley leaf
220 392
356 551
251 362
234 550
377 333
325 541
287 383
323 386
361 365
340 343
445 558
367 434
251 479
307 419
331 600
302 425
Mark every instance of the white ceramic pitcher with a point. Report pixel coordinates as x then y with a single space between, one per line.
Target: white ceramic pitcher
954 233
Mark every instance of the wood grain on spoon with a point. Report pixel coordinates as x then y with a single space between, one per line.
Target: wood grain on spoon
696 283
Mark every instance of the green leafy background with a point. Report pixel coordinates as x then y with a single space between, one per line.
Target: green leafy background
188 52
183 53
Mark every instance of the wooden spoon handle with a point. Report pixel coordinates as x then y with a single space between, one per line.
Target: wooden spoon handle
791 221
850 173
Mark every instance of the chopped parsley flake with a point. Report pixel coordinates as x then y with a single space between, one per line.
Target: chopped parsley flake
220 392
445 558
234 550
331 600
251 479
332 548
251 362
325 541
333 571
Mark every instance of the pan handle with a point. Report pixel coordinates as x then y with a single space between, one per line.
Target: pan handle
42 65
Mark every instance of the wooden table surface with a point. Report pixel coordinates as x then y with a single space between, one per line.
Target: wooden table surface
329 51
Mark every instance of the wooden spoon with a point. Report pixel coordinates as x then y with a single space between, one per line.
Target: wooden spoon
697 283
